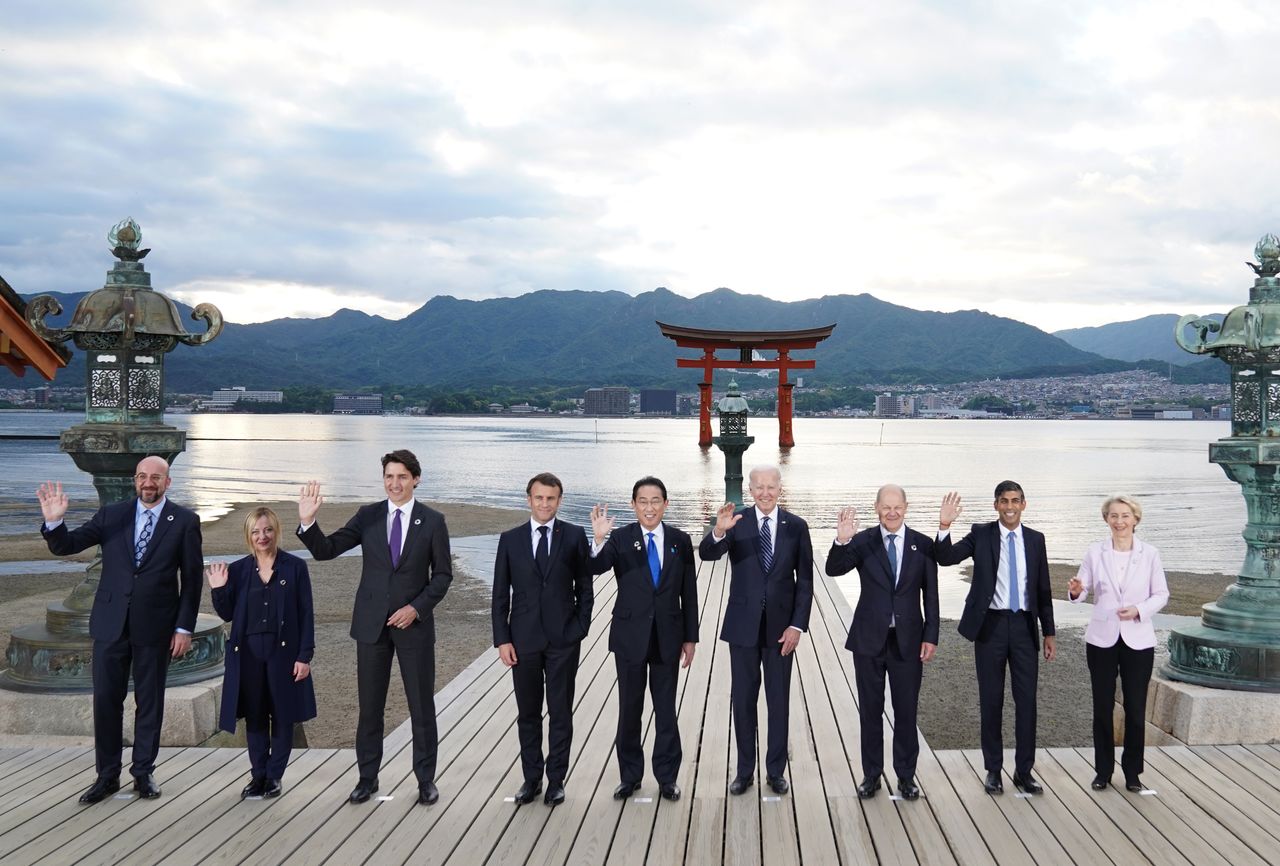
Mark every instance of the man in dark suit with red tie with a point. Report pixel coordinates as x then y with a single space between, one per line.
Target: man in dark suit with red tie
770 594
1008 597
655 626
405 572
894 630
143 612
541 609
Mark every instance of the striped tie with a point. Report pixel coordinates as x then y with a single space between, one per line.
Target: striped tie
766 547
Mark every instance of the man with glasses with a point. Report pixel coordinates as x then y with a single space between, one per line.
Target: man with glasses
143 612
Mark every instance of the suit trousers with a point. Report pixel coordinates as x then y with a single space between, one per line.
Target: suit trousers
112 662
270 741
373 676
745 665
905 675
557 669
662 680
1005 639
1134 667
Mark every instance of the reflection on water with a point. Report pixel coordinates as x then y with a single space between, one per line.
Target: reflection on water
1192 512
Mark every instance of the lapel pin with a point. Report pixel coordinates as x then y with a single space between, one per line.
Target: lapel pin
169 518
417 520
638 545
913 547
282 582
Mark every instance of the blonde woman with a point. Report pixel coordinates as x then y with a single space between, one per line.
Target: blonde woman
266 596
1127 580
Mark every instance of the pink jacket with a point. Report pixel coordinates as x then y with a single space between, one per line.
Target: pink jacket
1144 587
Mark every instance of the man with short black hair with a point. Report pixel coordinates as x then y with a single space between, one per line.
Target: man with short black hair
405 572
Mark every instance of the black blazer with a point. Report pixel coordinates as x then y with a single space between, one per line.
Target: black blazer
671 607
917 586
295 638
533 610
148 596
983 544
786 591
421 579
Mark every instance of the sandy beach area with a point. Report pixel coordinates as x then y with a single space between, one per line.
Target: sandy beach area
948 698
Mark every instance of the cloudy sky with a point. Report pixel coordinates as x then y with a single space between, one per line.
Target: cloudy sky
1062 163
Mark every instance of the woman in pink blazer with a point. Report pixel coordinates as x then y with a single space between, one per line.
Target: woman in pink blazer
1128 585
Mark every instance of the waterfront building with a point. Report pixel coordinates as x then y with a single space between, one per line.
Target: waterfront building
357 404
657 401
225 399
607 401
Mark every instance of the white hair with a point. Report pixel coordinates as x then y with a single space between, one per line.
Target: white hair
762 468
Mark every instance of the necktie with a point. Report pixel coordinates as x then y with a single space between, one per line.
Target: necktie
543 556
893 558
766 547
144 538
395 543
655 564
1015 603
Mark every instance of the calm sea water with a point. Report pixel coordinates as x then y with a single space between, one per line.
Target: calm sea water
1192 512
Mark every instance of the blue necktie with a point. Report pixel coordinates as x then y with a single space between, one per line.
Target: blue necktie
655 564
893 559
1015 604
766 547
394 544
543 556
144 538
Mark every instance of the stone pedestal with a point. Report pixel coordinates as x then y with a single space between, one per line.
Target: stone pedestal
1180 713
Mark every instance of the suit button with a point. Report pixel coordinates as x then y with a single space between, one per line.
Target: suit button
237 649
281 643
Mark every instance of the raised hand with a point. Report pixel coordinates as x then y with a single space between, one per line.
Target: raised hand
846 524
951 509
726 519
601 522
216 574
309 502
1075 586
53 502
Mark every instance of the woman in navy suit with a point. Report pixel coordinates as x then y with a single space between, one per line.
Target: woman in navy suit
266 597
1127 580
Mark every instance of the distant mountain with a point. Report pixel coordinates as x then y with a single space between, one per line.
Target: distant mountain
580 338
1150 338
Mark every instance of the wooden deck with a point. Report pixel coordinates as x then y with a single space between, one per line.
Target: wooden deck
1213 805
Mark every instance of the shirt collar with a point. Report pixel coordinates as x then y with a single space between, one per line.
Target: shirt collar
405 509
657 532
1005 532
760 515
534 525
156 509
884 533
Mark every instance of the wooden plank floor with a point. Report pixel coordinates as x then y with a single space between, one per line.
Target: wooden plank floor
1212 804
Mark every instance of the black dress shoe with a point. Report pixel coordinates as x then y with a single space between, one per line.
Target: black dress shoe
867 787
993 783
1132 783
364 789
101 789
1100 782
271 788
1026 784
254 788
427 794
669 791
908 789
625 790
779 785
740 785
146 787
555 794
528 791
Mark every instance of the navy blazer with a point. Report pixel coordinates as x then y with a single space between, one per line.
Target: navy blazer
421 579
983 544
784 595
155 597
295 638
917 586
671 606
533 610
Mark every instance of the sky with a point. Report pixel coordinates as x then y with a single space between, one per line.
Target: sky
1064 164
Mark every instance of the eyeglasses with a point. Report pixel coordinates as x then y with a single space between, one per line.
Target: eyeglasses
154 479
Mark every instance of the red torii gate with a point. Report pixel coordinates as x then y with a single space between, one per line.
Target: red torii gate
746 342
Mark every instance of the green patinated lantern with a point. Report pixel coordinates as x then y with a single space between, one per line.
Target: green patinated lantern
733 441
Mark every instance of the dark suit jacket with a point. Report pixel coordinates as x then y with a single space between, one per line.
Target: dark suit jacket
533 610
156 597
295 639
983 544
917 584
787 590
421 579
672 606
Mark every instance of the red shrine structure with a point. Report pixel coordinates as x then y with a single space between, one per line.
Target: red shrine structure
747 343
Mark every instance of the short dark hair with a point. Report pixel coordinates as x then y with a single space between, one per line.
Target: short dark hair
546 479
648 481
1007 487
405 458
